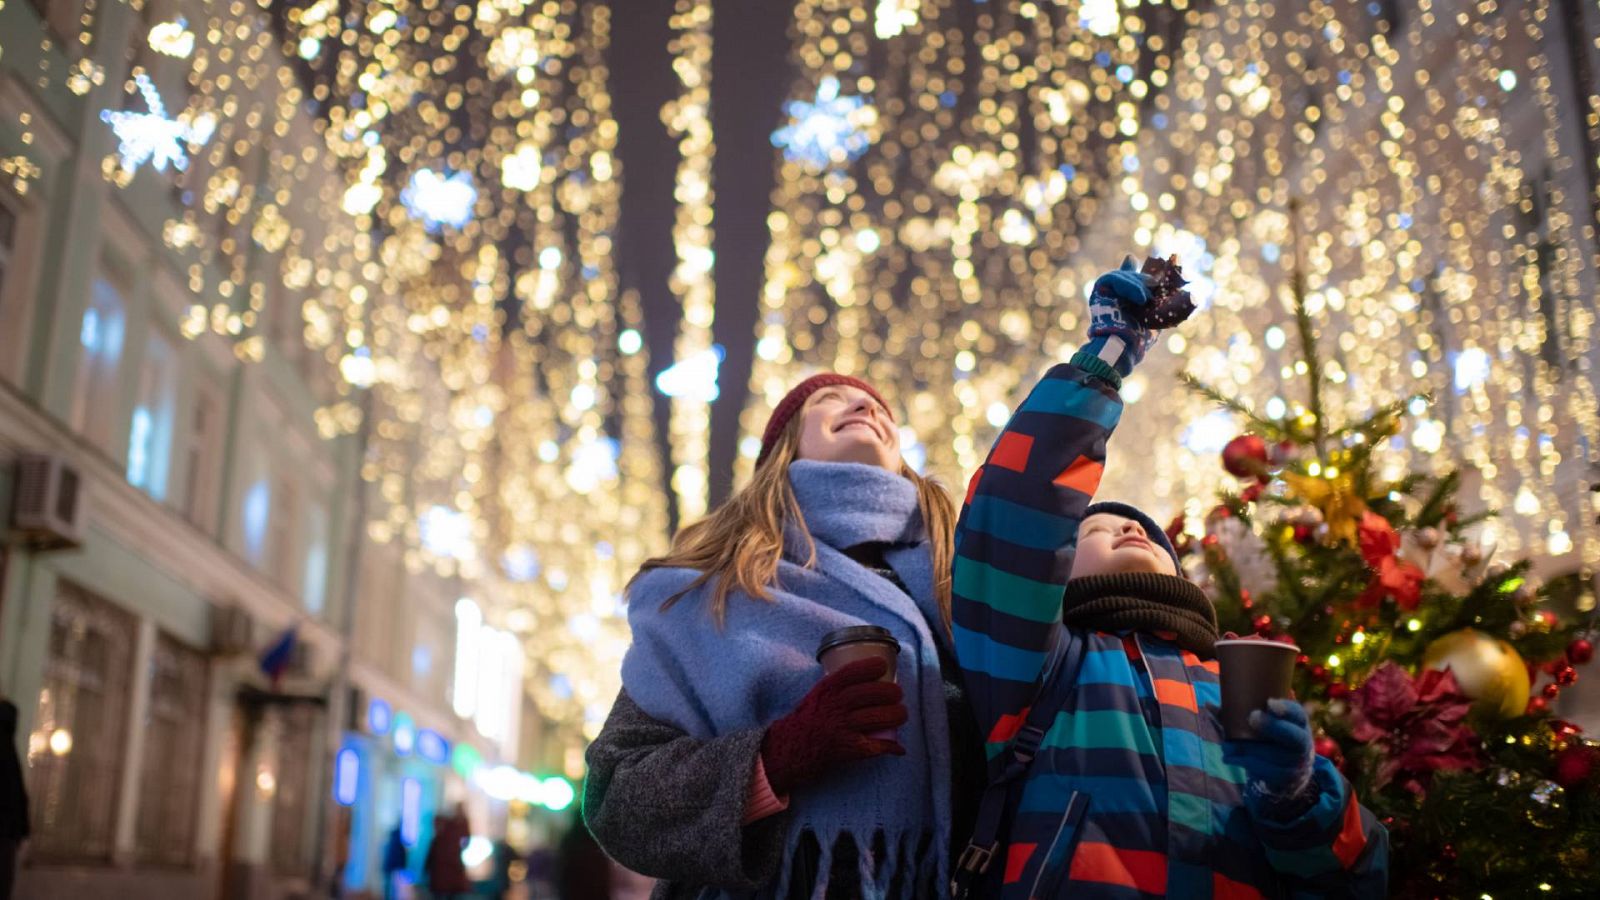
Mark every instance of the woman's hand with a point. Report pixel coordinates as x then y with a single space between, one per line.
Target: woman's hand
1114 336
832 725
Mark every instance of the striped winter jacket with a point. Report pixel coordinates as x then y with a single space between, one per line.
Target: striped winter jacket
1130 795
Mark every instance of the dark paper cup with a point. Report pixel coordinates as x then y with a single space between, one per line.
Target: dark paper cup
847 645
1252 672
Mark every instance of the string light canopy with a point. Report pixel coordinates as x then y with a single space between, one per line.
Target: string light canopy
431 190
433 185
1417 165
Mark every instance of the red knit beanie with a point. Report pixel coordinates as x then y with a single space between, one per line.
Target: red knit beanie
796 398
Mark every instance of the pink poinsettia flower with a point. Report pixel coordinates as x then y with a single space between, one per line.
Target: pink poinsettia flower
1418 724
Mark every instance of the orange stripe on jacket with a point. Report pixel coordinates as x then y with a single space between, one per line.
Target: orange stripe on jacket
1017 856
1176 693
1223 888
1083 476
1143 870
1351 840
1012 451
1008 726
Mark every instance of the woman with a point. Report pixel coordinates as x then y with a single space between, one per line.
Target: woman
447 873
730 764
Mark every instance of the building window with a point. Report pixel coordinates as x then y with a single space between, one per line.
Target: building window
150 432
283 553
169 784
79 736
255 506
100 337
200 448
315 590
488 675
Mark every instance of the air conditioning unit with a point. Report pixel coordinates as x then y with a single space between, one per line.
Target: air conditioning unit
231 632
47 506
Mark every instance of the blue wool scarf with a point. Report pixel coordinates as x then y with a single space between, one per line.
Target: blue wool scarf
708 681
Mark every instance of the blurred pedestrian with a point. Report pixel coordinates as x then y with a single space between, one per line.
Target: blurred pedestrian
447 873
499 884
583 871
13 799
541 874
394 862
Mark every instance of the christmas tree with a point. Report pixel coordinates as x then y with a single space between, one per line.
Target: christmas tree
1428 665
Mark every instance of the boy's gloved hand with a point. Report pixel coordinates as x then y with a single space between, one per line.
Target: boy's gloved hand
1114 337
1279 764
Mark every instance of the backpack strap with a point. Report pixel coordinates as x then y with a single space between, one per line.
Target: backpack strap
989 830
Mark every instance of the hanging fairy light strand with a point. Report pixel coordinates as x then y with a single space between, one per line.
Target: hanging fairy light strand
425 195
1016 149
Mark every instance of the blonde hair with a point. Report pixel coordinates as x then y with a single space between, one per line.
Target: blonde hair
739 544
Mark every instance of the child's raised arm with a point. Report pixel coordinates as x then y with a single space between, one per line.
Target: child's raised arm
1019 524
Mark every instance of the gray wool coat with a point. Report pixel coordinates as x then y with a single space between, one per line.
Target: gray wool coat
672 807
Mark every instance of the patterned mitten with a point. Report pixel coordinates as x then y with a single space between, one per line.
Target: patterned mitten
1114 336
1278 765
832 725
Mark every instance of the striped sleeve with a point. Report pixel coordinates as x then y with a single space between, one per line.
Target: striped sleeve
1015 537
1337 843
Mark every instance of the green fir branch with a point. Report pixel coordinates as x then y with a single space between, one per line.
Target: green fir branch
1267 428
1439 500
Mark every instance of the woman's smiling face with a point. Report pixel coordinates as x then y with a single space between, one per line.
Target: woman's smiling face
843 423
1110 544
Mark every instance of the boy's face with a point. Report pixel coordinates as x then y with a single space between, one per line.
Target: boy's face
1109 544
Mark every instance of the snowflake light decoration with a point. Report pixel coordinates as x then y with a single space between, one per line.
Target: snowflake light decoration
153 137
438 200
829 130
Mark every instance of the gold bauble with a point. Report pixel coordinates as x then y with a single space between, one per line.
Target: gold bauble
1489 671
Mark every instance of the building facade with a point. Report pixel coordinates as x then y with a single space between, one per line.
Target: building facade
191 666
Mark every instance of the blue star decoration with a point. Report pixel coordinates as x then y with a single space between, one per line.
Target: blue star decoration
153 136
827 131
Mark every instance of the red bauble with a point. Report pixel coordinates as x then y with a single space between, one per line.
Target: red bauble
1564 729
1338 690
1537 705
1566 676
1580 651
1551 691
1303 534
1245 457
1329 748
1575 765
1262 623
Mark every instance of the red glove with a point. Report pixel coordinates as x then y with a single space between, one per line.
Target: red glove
831 725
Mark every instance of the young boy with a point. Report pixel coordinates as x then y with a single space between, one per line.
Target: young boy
1080 609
